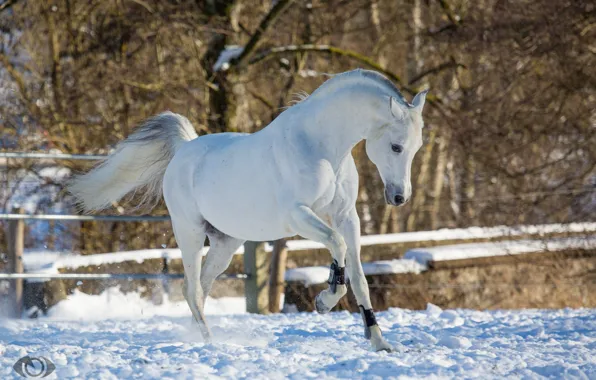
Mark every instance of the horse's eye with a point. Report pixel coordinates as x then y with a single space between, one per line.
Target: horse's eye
397 148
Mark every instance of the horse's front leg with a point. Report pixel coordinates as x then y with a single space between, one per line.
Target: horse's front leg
350 229
308 225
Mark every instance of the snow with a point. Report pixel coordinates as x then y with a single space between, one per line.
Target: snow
229 53
308 73
32 189
319 275
113 304
161 343
393 266
37 260
308 275
475 250
457 234
36 190
40 261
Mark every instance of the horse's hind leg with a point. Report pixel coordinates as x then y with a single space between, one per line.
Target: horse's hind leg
221 251
190 239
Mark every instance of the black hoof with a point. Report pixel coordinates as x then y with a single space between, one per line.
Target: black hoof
320 306
384 349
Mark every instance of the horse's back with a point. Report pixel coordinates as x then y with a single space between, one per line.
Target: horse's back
244 185
180 176
229 180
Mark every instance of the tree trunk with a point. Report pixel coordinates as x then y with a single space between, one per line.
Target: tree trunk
415 56
414 65
384 227
454 198
378 30
217 117
438 183
469 190
419 193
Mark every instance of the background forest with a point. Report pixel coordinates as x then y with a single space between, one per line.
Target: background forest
510 133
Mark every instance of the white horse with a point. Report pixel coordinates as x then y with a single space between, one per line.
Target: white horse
295 177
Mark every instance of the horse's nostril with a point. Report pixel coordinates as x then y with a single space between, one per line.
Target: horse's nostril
399 199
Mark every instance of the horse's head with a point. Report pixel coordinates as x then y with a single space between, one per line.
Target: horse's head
392 145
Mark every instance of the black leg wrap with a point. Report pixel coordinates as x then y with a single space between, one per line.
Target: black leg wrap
336 276
368 318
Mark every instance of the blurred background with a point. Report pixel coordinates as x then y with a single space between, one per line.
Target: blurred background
510 135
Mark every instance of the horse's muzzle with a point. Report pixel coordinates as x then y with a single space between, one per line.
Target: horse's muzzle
395 196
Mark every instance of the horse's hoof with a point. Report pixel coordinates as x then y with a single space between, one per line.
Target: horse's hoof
320 306
382 345
206 332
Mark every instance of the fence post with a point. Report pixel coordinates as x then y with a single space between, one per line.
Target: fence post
257 268
279 258
16 243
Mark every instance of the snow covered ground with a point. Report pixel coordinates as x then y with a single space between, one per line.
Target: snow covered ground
114 336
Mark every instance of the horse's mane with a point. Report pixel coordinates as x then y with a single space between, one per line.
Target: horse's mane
358 74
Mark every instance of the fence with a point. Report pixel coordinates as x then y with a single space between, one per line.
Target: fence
260 292
254 276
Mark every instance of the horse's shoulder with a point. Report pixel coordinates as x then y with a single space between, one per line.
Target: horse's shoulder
347 170
347 182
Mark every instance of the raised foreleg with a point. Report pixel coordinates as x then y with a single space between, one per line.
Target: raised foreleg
308 225
350 229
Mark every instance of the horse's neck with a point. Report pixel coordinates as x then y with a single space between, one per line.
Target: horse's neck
343 121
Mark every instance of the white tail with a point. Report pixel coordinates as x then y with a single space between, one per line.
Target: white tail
139 162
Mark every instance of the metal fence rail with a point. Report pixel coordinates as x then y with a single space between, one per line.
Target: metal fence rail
109 276
105 218
54 156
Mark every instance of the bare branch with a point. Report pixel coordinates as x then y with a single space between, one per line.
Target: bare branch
269 19
143 86
451 15
327 49
446 65
262 99
15 75
7 4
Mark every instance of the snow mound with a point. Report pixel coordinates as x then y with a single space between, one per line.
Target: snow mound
319 275
40 261
113 304
457 234
393 266
308 275
475 250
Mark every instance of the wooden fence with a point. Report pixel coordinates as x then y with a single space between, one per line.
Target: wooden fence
263 287
255 276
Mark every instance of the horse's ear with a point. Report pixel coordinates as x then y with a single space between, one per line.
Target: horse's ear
418 101
396 108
